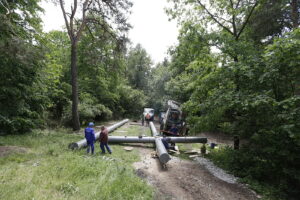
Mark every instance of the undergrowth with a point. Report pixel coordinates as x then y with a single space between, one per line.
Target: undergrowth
232 161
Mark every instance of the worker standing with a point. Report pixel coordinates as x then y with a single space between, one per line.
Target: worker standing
89 134
147 119
103 139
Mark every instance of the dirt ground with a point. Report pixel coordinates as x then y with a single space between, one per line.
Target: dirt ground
6 150
184 179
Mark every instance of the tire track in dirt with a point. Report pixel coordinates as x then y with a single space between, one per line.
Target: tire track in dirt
188 180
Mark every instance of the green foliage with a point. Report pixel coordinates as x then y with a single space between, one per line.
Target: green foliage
35 70
138 68
249 88
102 75
55 74
265 111
21 101
89 110
131 101
282 72
158 95
20 19
103 90
276 14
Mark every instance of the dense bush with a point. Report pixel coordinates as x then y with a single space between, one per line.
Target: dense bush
131 102
21 100
264 110
89 110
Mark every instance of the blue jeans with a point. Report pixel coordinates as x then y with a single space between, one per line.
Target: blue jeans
102 147
90 146
166 144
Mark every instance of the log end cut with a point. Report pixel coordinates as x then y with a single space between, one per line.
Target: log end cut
164 158
73 146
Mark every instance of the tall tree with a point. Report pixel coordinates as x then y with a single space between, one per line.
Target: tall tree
295 13
100 64
138 67
160 75
100 12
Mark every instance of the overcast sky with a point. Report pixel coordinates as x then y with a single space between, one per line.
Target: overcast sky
151 27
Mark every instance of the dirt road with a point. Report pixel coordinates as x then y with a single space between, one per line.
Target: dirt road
184 179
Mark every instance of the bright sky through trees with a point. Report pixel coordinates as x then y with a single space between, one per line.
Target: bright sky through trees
151 27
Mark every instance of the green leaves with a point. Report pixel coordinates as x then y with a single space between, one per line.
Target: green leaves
282 70
21 104
249 88
138 67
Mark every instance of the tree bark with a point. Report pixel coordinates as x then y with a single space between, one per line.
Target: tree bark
295 13
75 115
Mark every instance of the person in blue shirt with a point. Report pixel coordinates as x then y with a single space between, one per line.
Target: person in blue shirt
90 137
174 130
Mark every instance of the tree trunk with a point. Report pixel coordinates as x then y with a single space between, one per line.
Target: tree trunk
295 14
236 142
75 116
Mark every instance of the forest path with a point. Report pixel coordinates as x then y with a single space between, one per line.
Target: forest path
185 179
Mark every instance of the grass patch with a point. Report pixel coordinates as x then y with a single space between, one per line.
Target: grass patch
49 170
132 130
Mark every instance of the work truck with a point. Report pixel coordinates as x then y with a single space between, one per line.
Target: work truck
148 115
173 118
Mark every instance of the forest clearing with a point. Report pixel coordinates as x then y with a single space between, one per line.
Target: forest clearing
42 167
220 79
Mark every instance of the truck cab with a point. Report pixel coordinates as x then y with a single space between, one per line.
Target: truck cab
148 113
173 118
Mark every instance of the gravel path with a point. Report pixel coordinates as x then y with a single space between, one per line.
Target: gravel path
216 171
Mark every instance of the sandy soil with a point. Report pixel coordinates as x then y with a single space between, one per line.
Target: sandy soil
184 179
